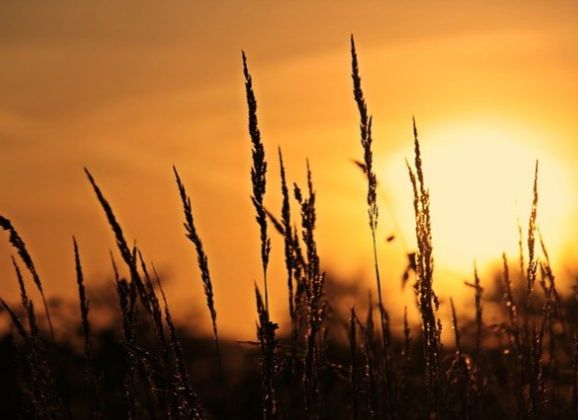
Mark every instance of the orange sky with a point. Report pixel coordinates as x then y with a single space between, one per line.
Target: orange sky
129 89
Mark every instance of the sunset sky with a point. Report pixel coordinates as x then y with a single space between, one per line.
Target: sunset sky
129 88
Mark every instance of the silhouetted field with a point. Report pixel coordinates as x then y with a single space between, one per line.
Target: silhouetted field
330 363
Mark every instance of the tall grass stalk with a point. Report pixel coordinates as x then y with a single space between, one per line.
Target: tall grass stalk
258 174
428 303
365 127
265 327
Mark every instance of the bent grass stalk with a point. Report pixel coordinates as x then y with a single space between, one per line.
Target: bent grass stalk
17 242
203 264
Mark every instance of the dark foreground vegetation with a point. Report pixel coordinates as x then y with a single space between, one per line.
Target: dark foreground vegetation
147 367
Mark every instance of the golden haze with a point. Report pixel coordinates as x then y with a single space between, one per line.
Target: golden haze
127 90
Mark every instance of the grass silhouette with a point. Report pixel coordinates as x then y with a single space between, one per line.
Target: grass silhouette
524 367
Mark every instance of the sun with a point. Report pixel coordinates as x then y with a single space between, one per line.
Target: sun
480 179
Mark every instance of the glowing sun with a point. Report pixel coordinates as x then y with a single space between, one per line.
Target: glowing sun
480 181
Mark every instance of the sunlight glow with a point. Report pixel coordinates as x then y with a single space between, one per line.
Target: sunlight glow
480 179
